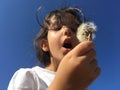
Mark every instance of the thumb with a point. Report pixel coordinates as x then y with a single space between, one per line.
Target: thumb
83 48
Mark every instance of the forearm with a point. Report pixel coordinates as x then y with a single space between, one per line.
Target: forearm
63 88
63 85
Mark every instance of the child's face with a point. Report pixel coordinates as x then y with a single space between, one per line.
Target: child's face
63 39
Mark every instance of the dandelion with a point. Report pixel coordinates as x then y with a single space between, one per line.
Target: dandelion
86 31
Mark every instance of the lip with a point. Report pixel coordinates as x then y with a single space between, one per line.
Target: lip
66 50
67 40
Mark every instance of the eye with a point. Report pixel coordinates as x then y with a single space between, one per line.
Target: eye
74 29
56 27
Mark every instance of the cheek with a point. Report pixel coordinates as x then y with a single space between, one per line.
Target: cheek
53 38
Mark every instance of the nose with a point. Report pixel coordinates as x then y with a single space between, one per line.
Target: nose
67 31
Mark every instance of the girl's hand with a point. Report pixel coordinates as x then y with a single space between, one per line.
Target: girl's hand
78 69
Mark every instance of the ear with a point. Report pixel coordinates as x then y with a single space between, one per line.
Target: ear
44 45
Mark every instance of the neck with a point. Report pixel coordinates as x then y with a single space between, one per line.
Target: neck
53 65
51 68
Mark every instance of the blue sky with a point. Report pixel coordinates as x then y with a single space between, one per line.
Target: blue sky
18 28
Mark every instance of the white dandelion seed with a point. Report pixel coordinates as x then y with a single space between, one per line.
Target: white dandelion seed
86 31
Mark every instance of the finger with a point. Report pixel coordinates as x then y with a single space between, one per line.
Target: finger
94 62
89 56
83 48
97 72
93 65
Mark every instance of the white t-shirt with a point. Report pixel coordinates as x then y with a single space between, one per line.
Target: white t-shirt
35 78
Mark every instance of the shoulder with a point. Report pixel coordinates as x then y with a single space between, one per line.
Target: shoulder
25 79
24 73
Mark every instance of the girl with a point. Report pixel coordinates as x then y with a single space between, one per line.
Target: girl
69 64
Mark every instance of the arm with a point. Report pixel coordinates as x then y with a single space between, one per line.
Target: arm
78 69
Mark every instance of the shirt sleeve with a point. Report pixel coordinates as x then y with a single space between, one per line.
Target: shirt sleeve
26 79
23 79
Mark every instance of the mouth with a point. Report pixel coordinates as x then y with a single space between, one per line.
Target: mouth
67 44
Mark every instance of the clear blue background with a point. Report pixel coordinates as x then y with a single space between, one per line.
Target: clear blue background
18 28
